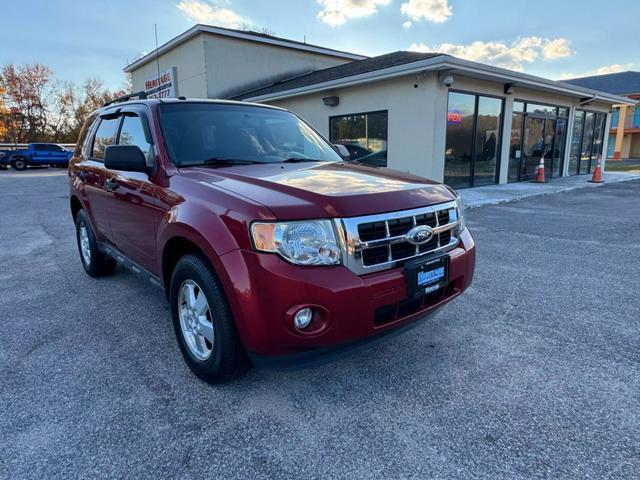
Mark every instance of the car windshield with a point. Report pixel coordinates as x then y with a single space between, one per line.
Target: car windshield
224 134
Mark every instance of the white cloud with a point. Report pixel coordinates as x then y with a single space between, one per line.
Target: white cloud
512 55
437 11
557 48
204 12
407 24
614 68
337 12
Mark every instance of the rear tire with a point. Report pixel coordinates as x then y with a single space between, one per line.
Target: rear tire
204 325
95 263
19 163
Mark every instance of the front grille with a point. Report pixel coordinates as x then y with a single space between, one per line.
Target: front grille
377 242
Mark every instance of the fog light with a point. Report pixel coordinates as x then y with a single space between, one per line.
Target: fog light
303 318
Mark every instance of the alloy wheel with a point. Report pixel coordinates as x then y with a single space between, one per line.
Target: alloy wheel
196 320
85 246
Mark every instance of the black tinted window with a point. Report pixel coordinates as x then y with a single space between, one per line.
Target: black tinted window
105 136
134 133
364 135
40 148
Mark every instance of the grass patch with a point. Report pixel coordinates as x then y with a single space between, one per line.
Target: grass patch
622 166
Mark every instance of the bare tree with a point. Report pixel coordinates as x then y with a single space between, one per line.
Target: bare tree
27 89
35 107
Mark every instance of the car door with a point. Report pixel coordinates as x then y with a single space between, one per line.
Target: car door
58 155
39 154
131 200
92 173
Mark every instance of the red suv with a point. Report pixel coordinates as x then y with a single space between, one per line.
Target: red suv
267 243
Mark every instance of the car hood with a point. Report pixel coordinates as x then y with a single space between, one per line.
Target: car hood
317 190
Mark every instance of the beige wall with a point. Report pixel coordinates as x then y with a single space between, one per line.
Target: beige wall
414 115
235 65
214 66
188 58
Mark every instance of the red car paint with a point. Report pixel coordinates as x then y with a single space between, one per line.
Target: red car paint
213 208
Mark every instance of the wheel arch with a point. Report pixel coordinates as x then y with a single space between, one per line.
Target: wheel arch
184 240
76 206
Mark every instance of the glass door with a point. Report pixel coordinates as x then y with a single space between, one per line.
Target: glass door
536 130
532 146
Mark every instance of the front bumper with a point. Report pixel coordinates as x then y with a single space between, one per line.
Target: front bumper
264 292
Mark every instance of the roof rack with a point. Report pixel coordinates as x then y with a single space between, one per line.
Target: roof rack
139 95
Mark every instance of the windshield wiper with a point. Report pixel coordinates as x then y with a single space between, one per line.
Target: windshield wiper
228 161
300 159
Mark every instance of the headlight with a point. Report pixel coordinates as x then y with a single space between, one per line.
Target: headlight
460 213
311 242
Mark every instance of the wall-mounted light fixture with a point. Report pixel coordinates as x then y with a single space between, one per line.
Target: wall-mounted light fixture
508 88
332 101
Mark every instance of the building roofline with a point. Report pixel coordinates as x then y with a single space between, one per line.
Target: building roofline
250 36
447 62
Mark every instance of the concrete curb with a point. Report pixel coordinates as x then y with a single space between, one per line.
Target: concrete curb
472 205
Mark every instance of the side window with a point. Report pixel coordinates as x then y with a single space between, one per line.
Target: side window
83 139
39 148
133 132
105 136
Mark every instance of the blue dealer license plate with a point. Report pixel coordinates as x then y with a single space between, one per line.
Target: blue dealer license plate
427 276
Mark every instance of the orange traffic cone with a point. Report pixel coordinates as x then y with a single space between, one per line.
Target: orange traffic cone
597 173
540 172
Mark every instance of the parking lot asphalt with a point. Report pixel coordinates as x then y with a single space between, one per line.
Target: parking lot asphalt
533 373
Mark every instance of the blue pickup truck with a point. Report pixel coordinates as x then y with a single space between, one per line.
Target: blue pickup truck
37 155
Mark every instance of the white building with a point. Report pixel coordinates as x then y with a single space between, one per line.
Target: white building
435 115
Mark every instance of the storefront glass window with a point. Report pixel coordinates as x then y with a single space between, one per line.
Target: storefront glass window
598 137
586 141
587 138
364 135
515 147
473 140
487 149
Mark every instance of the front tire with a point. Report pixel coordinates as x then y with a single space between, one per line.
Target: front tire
95 263
19 163
203 322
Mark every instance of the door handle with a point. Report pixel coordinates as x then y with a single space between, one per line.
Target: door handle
112 185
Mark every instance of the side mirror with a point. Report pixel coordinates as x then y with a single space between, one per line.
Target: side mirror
343 152
128 158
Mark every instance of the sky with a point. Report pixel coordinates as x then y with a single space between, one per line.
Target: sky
552 38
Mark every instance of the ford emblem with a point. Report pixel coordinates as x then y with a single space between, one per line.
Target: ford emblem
419 235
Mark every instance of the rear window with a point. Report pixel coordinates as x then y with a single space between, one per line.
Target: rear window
82 138
105 136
